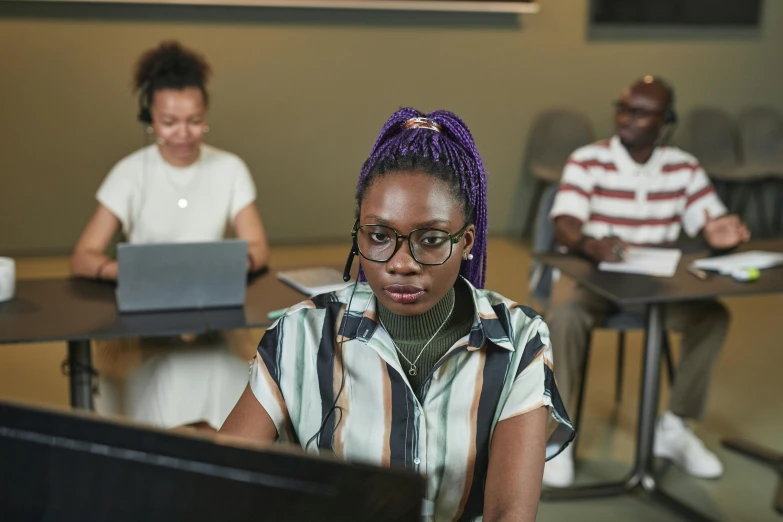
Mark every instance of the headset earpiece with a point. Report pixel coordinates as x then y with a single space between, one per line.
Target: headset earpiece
670 116
145 114
669 113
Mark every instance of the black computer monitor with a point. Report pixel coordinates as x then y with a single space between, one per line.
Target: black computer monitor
57 465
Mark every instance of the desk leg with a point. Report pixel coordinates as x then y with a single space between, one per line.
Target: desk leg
642 478
81 374
651 388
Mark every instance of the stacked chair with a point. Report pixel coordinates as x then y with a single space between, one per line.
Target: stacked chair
744 160
761 137
554 136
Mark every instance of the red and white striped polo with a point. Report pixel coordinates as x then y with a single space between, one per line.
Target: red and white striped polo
611 194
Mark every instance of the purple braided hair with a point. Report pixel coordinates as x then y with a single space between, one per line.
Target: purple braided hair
450 155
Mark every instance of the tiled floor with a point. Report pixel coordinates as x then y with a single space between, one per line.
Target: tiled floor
746 401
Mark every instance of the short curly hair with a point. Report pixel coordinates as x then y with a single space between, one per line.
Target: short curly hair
170 66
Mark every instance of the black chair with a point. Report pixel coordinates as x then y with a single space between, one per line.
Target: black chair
711 135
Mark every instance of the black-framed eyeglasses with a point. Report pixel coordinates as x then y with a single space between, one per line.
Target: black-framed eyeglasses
636 113
428 246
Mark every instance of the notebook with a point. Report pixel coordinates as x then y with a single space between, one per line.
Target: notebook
757 259
314 281
659 262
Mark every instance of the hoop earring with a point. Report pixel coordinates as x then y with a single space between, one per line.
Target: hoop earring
150 130
466 256
205 129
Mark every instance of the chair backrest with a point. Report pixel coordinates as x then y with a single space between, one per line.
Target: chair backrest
555 134
543 241
711 136
761 135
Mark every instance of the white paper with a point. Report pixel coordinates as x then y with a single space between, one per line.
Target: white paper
659 262
744 260
314 281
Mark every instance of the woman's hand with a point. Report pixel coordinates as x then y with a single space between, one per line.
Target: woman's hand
609 249
89 259
248 226
108 271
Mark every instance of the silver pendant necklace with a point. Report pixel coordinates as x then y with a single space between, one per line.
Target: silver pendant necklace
186 190
412 370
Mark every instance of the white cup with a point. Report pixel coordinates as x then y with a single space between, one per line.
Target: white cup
7 278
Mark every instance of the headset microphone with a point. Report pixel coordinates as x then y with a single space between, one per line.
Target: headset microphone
349 261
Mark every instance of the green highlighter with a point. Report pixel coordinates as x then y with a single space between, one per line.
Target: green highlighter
276 314
745 275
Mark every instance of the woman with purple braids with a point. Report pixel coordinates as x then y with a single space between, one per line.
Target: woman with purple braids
417 366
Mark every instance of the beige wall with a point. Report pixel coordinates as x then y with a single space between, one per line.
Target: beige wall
300 95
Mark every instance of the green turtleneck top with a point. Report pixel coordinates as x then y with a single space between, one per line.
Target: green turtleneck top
411 333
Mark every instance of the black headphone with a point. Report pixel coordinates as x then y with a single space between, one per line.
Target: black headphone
669 114
145 114
670 117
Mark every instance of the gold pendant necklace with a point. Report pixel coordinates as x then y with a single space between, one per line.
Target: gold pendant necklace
412 370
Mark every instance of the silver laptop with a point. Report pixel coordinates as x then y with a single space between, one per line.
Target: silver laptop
181 276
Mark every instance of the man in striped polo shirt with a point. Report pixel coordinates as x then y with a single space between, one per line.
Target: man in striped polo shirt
632 190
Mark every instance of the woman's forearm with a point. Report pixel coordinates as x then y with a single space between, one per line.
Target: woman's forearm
258 255
516 468
93 265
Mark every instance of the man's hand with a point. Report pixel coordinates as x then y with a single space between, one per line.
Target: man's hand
725 232
568 232
609 249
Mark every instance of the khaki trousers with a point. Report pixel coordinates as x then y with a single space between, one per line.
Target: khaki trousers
574 311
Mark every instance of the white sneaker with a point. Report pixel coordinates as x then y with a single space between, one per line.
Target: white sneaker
676 442
559 472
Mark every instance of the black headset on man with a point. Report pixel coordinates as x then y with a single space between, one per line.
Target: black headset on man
670 117
669 113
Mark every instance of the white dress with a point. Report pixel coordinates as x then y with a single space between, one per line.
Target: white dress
170 382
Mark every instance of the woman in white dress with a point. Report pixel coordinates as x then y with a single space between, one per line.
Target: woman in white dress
176 190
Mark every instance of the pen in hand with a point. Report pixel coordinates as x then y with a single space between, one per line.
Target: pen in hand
617 249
